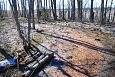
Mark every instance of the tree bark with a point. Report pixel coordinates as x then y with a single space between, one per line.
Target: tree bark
53 5
79 10
105 11
91 12
63 10
68 9
110 10
102 12
73 10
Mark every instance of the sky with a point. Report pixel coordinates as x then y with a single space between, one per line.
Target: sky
97 3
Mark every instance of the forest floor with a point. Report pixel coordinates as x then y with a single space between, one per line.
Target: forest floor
80 51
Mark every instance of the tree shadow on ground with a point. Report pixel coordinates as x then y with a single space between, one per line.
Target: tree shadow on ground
61 63
64 62
79 42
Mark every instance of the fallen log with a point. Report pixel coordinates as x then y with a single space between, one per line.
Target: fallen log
38 65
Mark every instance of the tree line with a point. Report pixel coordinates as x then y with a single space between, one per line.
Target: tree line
46 9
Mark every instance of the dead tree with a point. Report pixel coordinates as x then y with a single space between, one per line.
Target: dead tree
1 9
46 9
26 41
91 12
32 13
23 5
39 7
105 12
49 14
63 10
79 2
53 5
38 10
60 9
102 12
113 19
110 11
68 9
73 10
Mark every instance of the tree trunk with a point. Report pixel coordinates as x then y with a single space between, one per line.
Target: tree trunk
63 11
79 10
113 16
105 11
60 9
32 12
53 5
26 43
68 9
73 10
91 12
102 12
110 10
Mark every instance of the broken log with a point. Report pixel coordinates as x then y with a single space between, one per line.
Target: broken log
38 65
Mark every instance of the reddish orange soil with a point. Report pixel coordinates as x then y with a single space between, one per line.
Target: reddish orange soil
76 60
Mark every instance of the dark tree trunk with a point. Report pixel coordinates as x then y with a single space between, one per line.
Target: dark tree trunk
63 11
91 12
23 5
55 9
53 5
79 10
29 20
113 16
26 40
32 12
102 12
73 10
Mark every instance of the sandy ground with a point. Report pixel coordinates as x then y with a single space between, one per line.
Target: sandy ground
77 55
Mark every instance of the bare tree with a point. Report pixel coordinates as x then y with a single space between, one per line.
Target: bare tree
60 9
79 2
49 8
23 7
113 19
63 10
53 5
102 12
26 40
32 12
105 12
15 14
73 10
1 9
69 9
91 12
110 11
